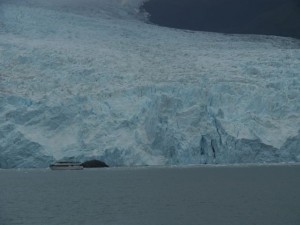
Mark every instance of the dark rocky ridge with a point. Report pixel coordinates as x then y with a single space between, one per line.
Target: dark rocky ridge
94 164
270 17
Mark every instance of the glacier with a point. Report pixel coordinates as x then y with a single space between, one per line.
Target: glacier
94 79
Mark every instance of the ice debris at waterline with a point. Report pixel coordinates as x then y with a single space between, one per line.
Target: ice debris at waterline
91 79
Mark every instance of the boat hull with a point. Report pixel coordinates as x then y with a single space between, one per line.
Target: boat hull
66 167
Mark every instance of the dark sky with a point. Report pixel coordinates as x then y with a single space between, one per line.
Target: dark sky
275 17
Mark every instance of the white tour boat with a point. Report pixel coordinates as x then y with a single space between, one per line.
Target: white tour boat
66 166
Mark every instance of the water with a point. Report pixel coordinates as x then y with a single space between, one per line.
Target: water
155 196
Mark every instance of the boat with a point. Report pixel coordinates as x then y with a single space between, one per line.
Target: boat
64 165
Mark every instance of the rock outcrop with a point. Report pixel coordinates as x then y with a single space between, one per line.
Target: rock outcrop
94 164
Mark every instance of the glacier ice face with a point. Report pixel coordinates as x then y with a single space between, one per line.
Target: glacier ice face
90 79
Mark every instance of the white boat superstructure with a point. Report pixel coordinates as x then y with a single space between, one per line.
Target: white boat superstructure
66 166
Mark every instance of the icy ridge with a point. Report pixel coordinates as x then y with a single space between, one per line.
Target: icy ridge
86 83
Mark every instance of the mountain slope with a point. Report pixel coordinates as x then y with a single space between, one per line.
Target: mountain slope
272 17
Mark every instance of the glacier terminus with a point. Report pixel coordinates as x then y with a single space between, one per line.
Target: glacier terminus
93 79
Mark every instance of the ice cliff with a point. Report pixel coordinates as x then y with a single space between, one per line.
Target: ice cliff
93 80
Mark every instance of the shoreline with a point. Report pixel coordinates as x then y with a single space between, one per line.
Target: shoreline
191 166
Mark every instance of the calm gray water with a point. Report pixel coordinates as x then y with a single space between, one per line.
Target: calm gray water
260 195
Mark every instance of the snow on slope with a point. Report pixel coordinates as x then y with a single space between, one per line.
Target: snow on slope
90 79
